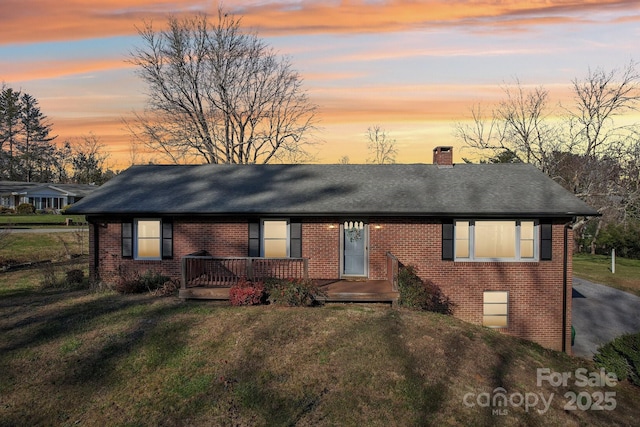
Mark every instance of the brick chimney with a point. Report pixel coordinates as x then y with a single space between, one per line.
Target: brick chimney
443 156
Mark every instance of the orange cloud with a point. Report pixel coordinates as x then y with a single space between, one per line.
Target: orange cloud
24 21
399 15
36 70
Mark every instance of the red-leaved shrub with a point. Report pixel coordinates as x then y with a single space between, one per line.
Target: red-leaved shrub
246 293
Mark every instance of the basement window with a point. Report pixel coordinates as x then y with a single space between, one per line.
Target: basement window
495 309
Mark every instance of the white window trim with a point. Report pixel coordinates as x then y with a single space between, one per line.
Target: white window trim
262 238
135 240
517 258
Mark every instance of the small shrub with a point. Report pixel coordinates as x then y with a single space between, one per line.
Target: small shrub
421 295
621 357
75 276
52 278
25 209
49 277
169 288
6 211
293 292
246 293
135 283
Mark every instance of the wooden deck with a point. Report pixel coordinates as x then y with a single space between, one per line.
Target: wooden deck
337 291
360 291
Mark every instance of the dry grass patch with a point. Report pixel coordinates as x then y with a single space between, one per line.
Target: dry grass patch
108 359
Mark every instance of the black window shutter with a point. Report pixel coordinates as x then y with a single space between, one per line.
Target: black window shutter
295 239
447 241
167 239
127 239
254 238
545 242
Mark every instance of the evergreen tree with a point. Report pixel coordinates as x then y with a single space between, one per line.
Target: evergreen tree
9 129
36 151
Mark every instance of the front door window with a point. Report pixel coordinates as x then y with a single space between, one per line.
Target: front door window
354 244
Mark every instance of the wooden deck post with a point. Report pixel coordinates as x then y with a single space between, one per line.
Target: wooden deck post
250 268
183 269
393 265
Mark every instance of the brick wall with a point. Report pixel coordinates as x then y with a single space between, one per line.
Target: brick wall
224 237
535 288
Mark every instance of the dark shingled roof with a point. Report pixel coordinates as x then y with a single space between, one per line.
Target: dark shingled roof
487 190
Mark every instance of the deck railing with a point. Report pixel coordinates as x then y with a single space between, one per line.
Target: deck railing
206 270
393 266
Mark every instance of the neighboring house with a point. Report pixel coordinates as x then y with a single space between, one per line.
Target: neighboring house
495 238
42 196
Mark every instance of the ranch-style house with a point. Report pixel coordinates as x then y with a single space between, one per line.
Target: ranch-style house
496 238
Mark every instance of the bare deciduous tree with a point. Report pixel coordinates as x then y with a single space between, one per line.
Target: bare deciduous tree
517 126
381 147
590 153
219 95
88 161
607 149
526 126
599 98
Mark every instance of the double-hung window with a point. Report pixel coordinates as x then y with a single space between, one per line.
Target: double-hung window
148 243
496 240
147 239
275 238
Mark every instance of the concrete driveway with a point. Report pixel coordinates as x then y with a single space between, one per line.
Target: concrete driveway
600 314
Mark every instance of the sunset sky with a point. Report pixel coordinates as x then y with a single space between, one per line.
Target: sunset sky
412 67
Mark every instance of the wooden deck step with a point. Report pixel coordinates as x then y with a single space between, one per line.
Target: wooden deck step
391 297
338 291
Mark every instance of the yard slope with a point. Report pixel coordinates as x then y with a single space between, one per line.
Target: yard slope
105 359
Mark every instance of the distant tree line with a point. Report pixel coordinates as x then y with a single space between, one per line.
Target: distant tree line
28 152
589 146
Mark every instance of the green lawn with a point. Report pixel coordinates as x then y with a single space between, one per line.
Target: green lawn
597 268
16 248
9 220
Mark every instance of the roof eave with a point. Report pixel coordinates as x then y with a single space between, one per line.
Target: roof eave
345 213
